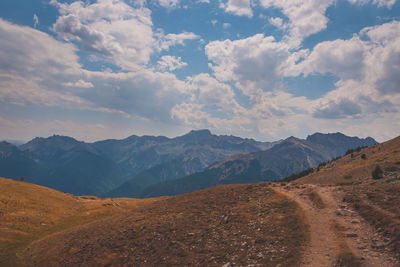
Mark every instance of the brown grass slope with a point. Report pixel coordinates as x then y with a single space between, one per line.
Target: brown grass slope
237 224
29 212
356 168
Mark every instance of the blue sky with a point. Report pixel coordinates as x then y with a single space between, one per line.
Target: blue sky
264 69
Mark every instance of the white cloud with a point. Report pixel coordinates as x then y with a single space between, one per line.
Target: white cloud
168 3
170 63
253 63
238 7
226 25
35 20
111 28
115 31
37 69
79 83
164 42
278 22
343 58
305 17
379 3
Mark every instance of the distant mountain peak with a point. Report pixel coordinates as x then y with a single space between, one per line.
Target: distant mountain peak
196 135
293 139
331 137
202 132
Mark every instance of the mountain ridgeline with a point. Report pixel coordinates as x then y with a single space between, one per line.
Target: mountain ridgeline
289 156
156 165
71 166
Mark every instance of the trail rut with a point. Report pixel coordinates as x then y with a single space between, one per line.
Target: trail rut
335 229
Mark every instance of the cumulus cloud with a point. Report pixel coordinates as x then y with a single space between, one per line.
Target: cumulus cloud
343 58
170 63
238 7
109 27
337 109
253 63
37 69
278 22
35 20
371 57
305 17
115 31
164 42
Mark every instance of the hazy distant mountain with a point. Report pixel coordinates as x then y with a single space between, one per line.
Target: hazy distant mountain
198 149
76 167
188 154
14 162
290 156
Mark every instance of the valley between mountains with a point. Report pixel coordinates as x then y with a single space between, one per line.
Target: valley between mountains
339 213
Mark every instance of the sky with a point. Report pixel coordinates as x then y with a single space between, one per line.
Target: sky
262 69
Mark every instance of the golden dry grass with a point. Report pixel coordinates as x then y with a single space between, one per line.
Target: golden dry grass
352 169
241 224
29 212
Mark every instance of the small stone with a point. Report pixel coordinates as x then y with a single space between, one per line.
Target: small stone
351 235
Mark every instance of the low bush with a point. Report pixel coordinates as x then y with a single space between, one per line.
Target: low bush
377 173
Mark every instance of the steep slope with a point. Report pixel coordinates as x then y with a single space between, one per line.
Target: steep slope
290 156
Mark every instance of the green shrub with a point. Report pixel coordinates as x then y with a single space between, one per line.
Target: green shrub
377 173
363 156
347 177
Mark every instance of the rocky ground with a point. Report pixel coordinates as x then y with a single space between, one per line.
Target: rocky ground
339 235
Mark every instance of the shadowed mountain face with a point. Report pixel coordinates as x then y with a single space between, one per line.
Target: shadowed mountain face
77 167
290 156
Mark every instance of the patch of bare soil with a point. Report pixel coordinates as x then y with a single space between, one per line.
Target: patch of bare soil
232 225
339 236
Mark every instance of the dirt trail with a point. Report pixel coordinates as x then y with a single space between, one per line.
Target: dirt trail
336 229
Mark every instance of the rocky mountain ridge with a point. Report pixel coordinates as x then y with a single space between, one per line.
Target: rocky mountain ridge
72 166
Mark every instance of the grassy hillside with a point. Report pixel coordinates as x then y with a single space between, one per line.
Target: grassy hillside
29 212
241 224
357 167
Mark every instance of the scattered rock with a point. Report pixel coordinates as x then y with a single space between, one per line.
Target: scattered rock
351 235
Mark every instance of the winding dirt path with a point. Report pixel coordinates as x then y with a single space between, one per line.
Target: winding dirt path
335 229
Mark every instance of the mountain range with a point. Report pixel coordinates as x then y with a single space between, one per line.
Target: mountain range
285 158
144 166
72 166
